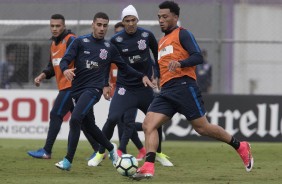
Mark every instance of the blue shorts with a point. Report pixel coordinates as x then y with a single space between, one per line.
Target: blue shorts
184 98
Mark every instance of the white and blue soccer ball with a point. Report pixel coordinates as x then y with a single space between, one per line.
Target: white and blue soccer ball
127 165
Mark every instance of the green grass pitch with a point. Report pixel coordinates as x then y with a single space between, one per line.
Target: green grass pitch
195 162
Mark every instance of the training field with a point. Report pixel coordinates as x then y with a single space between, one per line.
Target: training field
195 162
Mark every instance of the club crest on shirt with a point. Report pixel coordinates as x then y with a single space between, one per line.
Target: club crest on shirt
119 39
145 34
103 54
142 44
121 91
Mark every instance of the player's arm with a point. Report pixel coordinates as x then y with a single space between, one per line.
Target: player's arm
189 43
107 88
69 56
49 70
47 73
128 70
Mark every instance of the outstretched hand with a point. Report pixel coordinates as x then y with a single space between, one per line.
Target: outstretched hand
69 74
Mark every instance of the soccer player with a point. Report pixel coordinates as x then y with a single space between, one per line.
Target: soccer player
129 114
134 44
93 56
61 38
179 53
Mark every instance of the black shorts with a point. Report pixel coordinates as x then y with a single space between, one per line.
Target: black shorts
184 98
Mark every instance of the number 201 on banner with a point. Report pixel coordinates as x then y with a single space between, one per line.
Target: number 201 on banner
25 109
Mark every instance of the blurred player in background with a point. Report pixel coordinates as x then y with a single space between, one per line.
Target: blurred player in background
179 54
134 45
204 74
93 56
7 69
61 38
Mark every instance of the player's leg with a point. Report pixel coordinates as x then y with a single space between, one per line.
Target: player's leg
94 144
119 104
120 126
138 126
150 126
160 111
83 105
160 156
130 132
62 105
204 128
94 131
194 111
143 106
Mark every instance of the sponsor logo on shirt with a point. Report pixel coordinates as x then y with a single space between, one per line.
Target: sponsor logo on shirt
91 64
86 52
134 59
55 53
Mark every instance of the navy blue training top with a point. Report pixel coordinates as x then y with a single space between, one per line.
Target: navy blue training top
135 51
92 58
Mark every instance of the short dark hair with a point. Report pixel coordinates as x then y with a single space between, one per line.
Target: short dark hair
101 15
58 16
171 5
119 24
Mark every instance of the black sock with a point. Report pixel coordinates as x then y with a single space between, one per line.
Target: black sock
150 157
234 143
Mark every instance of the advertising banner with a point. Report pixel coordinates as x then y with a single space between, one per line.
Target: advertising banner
247 117
25 114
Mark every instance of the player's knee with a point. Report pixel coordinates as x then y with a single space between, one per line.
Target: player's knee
148 127
109 125
112 120
55 116
75 121
200 130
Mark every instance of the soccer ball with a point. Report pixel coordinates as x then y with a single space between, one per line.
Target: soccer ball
127 165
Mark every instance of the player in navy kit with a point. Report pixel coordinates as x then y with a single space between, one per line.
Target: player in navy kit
134 44
128 114
61 38
93 56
